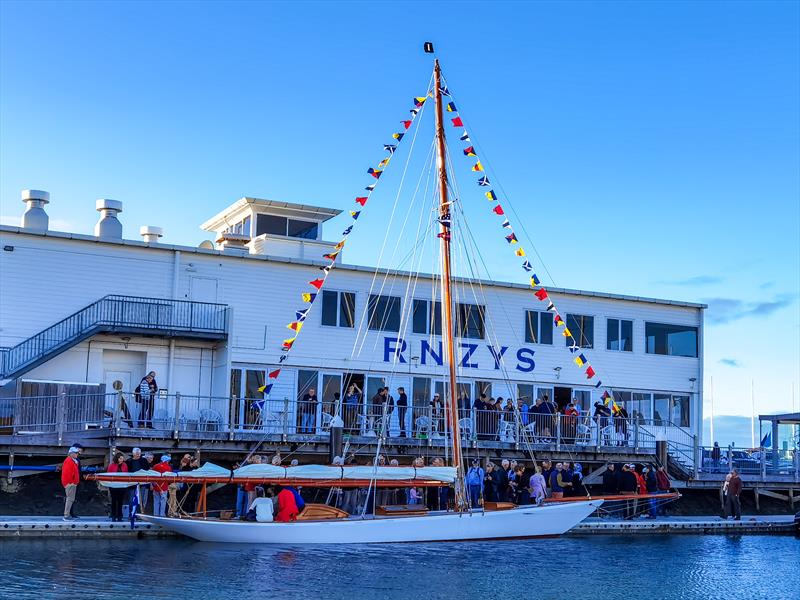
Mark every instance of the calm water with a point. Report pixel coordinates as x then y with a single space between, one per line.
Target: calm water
608 567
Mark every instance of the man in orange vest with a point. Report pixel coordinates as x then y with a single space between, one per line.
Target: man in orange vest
70 478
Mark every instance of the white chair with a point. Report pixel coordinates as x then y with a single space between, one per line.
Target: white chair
506 431
465 427
161 419
326 421
210 420
584 434
422 425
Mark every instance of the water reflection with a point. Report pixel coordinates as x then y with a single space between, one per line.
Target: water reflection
621 567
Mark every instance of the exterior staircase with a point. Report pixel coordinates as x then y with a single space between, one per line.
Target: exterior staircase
116 314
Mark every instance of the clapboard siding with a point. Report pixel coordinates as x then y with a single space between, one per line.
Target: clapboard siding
47 278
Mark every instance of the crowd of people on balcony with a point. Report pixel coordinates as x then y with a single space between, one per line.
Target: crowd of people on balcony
486 419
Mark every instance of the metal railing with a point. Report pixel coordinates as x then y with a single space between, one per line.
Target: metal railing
752 461
117 313
174 414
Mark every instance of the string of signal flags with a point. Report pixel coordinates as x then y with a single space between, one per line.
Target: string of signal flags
316 284
580 357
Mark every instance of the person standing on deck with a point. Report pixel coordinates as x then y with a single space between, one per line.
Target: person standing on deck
308 414
352 400
475 477
547 470
145 397
538 487
70 477
652 488
716 455
161 488
627 487
402 408
663 485
734 490
118 465
137 462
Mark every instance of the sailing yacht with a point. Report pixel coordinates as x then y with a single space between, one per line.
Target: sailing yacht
322 524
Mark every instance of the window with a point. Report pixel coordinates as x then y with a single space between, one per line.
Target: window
642 407
427 317
302 229
338 308
384 313
661 404
674 340
679 411
275 225
470 321
236 382
619 335
582 329
421 392
270 224
252 381
483 387
240 228
584 398
525 393
538 327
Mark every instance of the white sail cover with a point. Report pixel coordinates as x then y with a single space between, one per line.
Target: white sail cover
307 472
125 484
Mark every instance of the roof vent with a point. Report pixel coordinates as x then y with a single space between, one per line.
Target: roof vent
233 243
108 226
35 217
151 233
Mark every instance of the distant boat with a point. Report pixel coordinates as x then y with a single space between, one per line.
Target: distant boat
322 524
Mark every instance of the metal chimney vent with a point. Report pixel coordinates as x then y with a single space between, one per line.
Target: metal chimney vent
108 226
35 217
151 233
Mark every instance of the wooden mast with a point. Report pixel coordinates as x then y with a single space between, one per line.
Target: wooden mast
447 301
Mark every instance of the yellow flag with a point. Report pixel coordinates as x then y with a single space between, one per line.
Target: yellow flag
478 166
566 332
519 252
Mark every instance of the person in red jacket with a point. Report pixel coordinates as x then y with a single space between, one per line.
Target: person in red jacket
70 478
160 489
287 506
117 494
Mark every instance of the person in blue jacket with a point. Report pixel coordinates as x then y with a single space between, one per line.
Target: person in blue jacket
475 477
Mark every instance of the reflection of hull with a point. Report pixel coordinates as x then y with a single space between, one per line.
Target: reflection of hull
520 522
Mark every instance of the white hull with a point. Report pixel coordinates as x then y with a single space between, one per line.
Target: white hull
520 522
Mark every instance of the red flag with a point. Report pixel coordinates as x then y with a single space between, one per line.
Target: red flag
498 210
406 124
541 294
362 201
317 283
457 122
274 374
589 372
445 235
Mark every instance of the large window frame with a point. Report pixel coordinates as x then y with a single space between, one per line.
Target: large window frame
294 228
383 313
338 309
470 321
619 335
538 327
582 329
667 339
426 317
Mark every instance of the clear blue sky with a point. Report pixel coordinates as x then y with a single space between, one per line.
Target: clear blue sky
651 148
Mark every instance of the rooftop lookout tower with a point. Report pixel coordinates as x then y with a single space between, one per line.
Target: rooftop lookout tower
270 227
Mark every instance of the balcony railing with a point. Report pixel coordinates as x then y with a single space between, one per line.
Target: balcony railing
117 314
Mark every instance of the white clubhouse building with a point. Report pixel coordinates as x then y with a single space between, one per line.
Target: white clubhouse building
218 313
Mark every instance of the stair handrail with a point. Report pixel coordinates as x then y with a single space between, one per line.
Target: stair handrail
83 321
